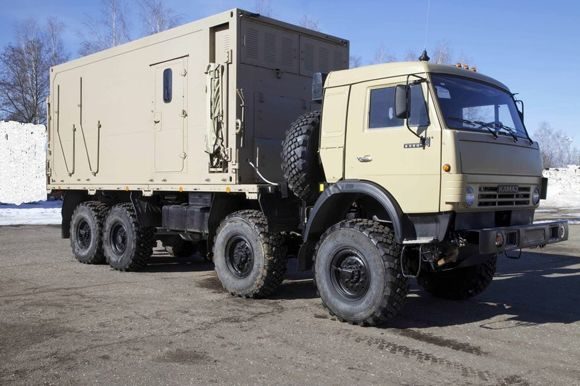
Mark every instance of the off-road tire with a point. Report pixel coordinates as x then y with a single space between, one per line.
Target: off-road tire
86 230
247 231
300 163
121 223
373 244
460 283
181 248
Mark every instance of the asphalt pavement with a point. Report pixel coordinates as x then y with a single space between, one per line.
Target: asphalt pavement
62 322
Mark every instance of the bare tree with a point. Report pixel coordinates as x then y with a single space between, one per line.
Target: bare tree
109 30
382 56
157 17
24 70
556 147
442 54
263 7
411 56
309 22
355 61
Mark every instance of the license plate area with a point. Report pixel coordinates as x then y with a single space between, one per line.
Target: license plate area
535 236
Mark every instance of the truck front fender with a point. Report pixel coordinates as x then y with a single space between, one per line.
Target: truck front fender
335 202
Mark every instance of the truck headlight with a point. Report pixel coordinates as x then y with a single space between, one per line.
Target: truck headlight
469 195
536 196
561 231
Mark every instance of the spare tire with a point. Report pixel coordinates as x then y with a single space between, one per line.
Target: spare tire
300 163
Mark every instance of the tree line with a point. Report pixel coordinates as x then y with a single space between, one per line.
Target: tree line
25 63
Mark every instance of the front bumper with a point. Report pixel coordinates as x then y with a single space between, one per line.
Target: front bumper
494 240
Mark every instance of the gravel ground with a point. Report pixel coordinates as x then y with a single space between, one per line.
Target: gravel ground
62 322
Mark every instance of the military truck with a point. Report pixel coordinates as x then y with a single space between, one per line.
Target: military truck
248 140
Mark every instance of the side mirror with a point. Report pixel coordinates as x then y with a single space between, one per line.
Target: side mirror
520 107
402 110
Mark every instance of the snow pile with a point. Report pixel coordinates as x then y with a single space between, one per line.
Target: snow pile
22 162
38 213
563 188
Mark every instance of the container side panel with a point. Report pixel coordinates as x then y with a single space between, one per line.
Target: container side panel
118 130
277 88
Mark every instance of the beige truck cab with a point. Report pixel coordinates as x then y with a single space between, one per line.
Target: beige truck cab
436 157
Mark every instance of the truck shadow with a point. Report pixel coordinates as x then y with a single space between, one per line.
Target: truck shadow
163 262
537 289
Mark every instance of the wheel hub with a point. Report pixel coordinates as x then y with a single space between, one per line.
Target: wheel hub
84 234
240 257
118 239
350 274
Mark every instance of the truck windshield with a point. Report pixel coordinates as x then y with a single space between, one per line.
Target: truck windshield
471 105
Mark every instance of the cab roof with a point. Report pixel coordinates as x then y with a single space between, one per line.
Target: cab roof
388 70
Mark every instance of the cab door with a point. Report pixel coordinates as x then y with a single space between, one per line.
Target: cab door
380 148
170 115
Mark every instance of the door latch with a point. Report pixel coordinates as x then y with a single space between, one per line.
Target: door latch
364 158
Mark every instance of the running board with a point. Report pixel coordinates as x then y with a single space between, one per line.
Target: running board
420 240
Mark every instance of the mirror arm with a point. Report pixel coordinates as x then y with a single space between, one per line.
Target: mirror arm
420 80
521 113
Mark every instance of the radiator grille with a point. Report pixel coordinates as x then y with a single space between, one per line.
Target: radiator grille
494 196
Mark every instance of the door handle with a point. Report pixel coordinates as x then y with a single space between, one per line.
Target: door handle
364 158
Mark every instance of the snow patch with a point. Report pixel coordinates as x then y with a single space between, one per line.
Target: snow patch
563 188
22 162
37 213
33 216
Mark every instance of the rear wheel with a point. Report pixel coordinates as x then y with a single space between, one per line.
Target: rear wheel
249 260
86 228
460 283
127 245
357 272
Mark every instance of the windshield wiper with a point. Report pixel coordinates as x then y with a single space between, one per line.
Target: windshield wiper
477 124
511 131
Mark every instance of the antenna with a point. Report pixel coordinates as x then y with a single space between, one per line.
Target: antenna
427 17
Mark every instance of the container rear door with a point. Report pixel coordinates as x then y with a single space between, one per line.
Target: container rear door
170 115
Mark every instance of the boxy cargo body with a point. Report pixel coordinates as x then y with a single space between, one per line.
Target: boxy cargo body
186 109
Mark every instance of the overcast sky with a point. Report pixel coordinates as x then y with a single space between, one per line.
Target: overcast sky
532 46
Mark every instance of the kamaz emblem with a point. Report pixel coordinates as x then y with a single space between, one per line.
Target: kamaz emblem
507 189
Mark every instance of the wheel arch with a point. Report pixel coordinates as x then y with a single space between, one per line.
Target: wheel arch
333 205
335 202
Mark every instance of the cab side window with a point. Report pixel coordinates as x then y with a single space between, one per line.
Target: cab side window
382 109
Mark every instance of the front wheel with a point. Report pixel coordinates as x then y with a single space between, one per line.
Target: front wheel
357 272
460 283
